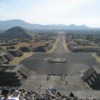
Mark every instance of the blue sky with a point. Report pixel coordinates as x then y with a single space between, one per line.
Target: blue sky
67 12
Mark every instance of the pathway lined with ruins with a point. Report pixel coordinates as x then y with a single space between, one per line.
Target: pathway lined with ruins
73 68
60 45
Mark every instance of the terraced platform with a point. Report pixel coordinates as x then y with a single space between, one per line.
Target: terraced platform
57 60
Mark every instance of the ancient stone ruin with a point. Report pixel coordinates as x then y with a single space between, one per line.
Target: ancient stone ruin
13 75
92 78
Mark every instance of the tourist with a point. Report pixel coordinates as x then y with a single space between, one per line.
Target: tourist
66 82
61 77
48 77
7 94
71 95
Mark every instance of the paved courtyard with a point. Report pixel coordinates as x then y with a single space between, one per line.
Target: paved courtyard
40 83
76 64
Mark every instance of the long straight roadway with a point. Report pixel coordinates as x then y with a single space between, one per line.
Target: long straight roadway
61 46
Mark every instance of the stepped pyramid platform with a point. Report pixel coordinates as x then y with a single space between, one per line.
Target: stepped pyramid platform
13 75
57 60
92 77
25 49
6 57
15 52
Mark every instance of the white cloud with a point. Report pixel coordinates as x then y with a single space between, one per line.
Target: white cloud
54 12
2 6
57 6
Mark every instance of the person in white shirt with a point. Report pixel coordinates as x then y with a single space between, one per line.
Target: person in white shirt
7 95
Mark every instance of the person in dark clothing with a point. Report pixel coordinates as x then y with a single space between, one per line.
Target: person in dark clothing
71 94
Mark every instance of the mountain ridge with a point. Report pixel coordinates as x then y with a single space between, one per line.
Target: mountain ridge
4 25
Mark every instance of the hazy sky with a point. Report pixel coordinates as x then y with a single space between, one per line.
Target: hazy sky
52 11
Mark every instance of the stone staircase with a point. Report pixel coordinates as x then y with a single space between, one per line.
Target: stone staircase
92 78
12 75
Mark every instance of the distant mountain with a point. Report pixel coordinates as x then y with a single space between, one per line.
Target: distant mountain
17 32
4 25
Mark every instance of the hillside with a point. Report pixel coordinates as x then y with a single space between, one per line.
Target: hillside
17 32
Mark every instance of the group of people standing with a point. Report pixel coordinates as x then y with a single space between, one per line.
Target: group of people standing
63 77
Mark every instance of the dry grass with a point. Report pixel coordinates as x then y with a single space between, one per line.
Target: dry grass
96 57
53 46
65 46
32 44
18 59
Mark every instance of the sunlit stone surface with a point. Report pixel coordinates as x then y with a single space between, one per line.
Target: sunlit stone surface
57 60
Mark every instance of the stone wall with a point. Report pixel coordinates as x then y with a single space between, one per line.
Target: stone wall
83 49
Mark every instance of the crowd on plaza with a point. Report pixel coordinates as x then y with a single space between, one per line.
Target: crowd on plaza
8 93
